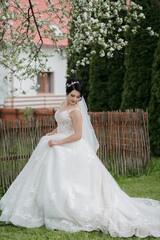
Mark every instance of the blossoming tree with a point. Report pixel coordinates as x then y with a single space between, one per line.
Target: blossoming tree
23 28
99 24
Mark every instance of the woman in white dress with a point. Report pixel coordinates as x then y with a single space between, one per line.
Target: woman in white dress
65 186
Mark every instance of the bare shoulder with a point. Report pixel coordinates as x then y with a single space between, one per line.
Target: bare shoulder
76 112
76 108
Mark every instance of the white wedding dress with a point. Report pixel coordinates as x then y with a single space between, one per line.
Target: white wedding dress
67 187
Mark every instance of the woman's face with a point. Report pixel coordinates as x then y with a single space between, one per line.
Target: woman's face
73 97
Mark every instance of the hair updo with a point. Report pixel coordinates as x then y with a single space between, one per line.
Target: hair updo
74 84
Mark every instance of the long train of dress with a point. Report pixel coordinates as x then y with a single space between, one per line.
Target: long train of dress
67 187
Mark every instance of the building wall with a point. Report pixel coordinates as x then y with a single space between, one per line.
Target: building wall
4 85
57 64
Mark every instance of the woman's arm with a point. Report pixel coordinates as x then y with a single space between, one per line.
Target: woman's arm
51 133
76 117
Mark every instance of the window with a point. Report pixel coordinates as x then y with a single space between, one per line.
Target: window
45 81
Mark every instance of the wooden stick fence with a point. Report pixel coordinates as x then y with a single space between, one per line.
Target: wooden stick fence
124 140
123 137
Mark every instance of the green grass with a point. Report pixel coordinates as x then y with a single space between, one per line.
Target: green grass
17 233
147 185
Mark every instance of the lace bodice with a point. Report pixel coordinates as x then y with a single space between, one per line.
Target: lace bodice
64 121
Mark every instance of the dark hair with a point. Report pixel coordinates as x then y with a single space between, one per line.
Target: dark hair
74 84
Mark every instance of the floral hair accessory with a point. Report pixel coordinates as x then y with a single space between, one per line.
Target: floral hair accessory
72 83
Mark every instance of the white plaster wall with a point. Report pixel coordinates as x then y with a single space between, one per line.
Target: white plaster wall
57 64
4 85
25 85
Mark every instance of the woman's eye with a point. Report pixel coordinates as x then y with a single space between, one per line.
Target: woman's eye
75 96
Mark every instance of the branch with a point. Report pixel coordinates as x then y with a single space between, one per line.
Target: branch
28 19
4 64
31 7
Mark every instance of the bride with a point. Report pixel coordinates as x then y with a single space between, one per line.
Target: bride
65 186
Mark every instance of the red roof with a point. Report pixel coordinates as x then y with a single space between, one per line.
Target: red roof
128 2
42 6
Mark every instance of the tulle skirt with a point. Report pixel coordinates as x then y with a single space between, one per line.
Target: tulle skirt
67 187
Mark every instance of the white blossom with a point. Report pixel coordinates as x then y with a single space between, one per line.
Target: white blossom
102 53
141 15
93 52
85 15
11 23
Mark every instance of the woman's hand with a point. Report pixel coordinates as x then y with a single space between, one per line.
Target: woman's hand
49 134
53 143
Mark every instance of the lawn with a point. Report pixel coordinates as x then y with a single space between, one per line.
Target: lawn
147 185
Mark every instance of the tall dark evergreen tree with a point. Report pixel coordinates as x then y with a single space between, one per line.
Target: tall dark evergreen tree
139 56
106 82
98 80
154 105
115 80
107 76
